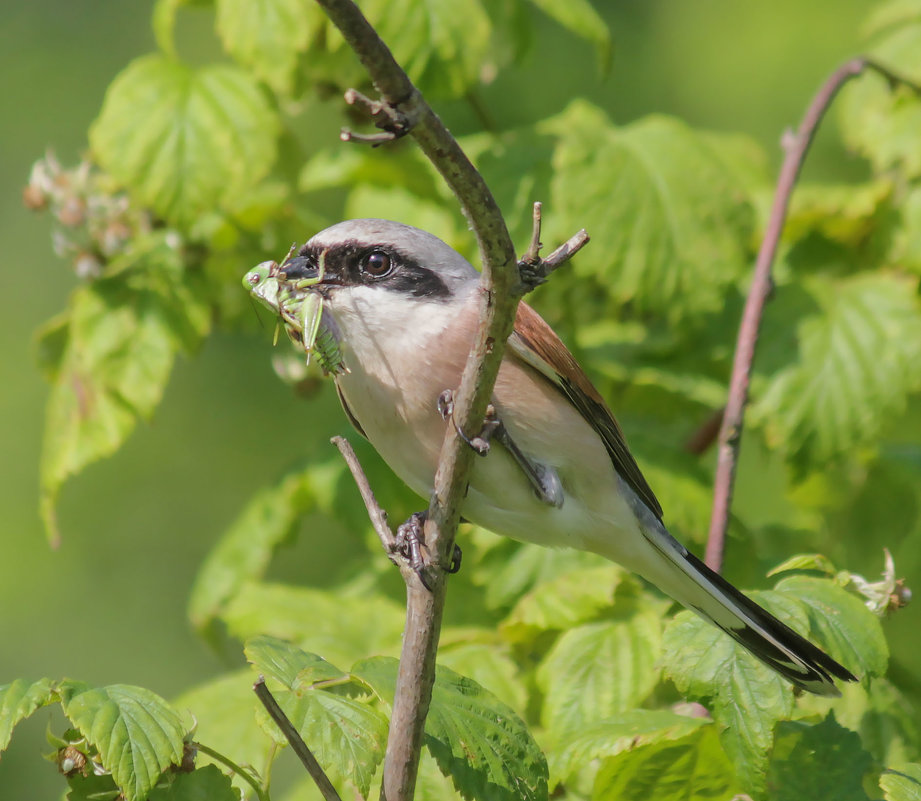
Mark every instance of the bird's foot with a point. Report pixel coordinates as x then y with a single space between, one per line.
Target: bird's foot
410 543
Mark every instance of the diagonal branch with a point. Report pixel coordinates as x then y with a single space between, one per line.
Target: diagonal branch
501 288
730 432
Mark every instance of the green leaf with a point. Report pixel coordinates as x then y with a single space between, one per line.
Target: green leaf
487 663
203 784
805 561
92 788
288 664
744 696
623 732
597 670
224 711
841 622
122 336
902 782
138 735
185 140
246 548
564 602
858 361
347 736
670 223
268 35
825 762
691 769
338 627
477 740
581 18
18 700
882 122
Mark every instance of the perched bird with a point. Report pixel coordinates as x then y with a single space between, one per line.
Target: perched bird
403 308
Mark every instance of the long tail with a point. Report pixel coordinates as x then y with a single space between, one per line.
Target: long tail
689 581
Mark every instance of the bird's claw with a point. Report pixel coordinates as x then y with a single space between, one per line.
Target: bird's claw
479 443
410 541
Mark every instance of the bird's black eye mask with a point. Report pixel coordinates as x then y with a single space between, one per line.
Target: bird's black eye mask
353 263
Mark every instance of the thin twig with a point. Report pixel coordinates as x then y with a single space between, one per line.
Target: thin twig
296 742
377 515
532 268
730 434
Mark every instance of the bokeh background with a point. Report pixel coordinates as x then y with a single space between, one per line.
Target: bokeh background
109 605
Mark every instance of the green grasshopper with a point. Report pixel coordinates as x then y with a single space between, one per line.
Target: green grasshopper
299 308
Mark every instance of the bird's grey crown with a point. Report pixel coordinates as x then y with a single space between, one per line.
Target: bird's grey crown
425 265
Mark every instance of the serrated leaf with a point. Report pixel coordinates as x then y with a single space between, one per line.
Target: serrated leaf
289 665
825 762
841 622
339 628
246 548
562 603
224 711
858 361
623 732
844 213
880 121
477 740
581 18
123 333
267 35
805 561
203 784
902 782
670 223
488 664
692 769
91 788
185 140
138 735
597 670
18 700
347 736
743 695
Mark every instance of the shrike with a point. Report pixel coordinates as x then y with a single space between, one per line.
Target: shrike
403 307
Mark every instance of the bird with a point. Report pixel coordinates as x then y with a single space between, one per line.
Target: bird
403 308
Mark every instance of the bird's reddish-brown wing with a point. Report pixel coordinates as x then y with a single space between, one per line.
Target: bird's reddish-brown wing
535 343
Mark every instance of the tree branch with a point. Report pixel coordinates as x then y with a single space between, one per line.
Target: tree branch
730 432
501 288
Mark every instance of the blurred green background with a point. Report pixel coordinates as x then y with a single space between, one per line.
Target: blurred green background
109 605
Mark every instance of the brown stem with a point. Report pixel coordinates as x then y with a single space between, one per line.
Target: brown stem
296 742
730 433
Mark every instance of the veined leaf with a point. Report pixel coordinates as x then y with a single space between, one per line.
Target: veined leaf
122 336
879 121
825 762
626 731
205 138
597 670
268 35
858 361
477 740
693 768
292 667
18 700
902 782
560 604
745 697
137 733
670 222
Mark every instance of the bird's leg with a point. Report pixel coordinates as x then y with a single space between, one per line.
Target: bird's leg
480 442
410 540
543 478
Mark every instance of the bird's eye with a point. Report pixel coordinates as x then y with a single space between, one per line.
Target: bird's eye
376 263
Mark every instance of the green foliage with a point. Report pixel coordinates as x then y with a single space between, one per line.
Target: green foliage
558 671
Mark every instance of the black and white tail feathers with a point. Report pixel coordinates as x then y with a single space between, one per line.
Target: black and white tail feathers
689 581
